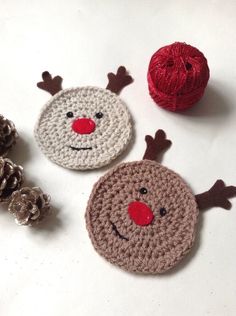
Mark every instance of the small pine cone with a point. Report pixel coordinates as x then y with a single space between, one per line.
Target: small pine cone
29 206
11 178
8 135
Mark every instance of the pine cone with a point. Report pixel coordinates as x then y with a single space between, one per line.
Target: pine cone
8 135
29 206
11 178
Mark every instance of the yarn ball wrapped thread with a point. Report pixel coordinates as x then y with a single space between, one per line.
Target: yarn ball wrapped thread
177 76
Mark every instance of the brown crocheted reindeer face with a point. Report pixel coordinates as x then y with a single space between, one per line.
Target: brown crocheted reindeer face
86 127
142 216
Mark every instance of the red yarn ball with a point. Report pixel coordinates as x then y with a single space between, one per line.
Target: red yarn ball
177 76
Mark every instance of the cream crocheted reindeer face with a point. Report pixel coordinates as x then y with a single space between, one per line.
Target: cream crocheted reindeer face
142 216
87 127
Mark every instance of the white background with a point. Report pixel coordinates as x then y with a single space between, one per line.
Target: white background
53 269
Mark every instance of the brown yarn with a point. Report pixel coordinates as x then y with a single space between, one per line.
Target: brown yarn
145 249
142 216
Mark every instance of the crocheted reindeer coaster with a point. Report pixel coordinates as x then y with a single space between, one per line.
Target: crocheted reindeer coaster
87 127
142 216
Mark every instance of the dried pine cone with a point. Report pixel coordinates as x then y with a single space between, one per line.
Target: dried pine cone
29 206
11 178
8 135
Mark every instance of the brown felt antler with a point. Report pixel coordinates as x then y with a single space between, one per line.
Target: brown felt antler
156 145
49 84
119 81
218 195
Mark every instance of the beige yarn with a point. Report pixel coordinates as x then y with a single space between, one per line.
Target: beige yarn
112 134
144 249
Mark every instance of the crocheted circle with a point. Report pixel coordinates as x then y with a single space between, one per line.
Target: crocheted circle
84 128
164 241
177 76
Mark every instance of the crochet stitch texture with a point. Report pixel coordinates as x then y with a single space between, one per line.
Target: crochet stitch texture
63 146
144 249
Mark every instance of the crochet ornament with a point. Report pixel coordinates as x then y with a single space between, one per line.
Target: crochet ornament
86 127
177 76
142 216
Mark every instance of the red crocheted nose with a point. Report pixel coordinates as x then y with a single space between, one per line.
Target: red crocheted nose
140 213
83 126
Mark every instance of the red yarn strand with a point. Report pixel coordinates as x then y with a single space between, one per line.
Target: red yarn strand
177 76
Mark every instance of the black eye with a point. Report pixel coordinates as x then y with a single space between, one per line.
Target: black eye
69 114
99 115
162 211
143 191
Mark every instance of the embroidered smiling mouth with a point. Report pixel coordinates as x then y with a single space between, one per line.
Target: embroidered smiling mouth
80 148
117 233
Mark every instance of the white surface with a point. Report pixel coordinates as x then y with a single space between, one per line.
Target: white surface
55 270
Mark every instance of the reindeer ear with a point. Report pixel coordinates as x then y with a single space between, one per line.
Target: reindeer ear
119 80
49 84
